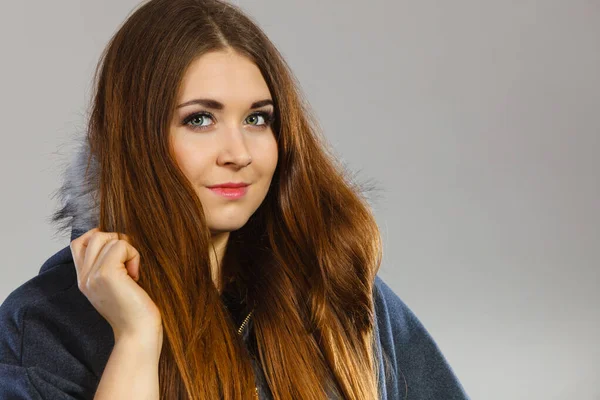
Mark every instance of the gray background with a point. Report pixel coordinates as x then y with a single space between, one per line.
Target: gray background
480 119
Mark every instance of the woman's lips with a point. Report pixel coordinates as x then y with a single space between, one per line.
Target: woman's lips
230 193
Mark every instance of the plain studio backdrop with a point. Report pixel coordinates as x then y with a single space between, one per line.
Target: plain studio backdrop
480 120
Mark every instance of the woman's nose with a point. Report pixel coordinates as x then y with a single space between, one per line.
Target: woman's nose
234 148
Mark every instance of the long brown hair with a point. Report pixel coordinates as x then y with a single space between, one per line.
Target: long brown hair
307 258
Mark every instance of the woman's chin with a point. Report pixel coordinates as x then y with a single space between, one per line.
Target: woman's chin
217 227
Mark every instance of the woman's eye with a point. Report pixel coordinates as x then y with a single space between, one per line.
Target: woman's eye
200 117
255 117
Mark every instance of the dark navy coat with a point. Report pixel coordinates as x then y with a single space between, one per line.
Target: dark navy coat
54 344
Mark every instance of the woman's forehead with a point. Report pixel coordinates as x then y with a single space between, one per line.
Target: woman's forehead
223 76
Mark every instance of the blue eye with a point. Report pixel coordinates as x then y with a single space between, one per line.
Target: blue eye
196 120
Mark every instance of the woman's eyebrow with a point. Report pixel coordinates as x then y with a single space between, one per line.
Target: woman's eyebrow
216 105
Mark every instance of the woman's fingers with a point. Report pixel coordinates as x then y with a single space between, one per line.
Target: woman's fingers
95 244
89 248
117 253
79 245
100 263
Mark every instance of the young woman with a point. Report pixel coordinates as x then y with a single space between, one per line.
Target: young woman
217 249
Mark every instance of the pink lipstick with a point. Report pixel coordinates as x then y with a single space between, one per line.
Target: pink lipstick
230 190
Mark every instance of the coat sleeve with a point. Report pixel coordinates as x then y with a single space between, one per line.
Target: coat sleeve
419 369
34 383
44 375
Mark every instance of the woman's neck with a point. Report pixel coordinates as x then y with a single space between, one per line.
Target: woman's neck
216 252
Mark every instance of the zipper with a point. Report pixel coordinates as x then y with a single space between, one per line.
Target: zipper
240 329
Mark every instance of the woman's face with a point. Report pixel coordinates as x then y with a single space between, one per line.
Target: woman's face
221 133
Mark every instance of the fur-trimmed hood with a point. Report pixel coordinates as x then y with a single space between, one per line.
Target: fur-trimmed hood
80 203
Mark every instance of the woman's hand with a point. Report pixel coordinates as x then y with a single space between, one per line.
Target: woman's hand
108 267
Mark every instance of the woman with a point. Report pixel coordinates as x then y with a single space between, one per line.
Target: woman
175 288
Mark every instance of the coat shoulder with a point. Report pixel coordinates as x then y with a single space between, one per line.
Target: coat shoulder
51 334
31 298
420 370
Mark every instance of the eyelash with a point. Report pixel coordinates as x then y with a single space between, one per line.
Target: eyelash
267 116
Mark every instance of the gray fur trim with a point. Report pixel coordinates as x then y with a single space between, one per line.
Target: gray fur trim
78 195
